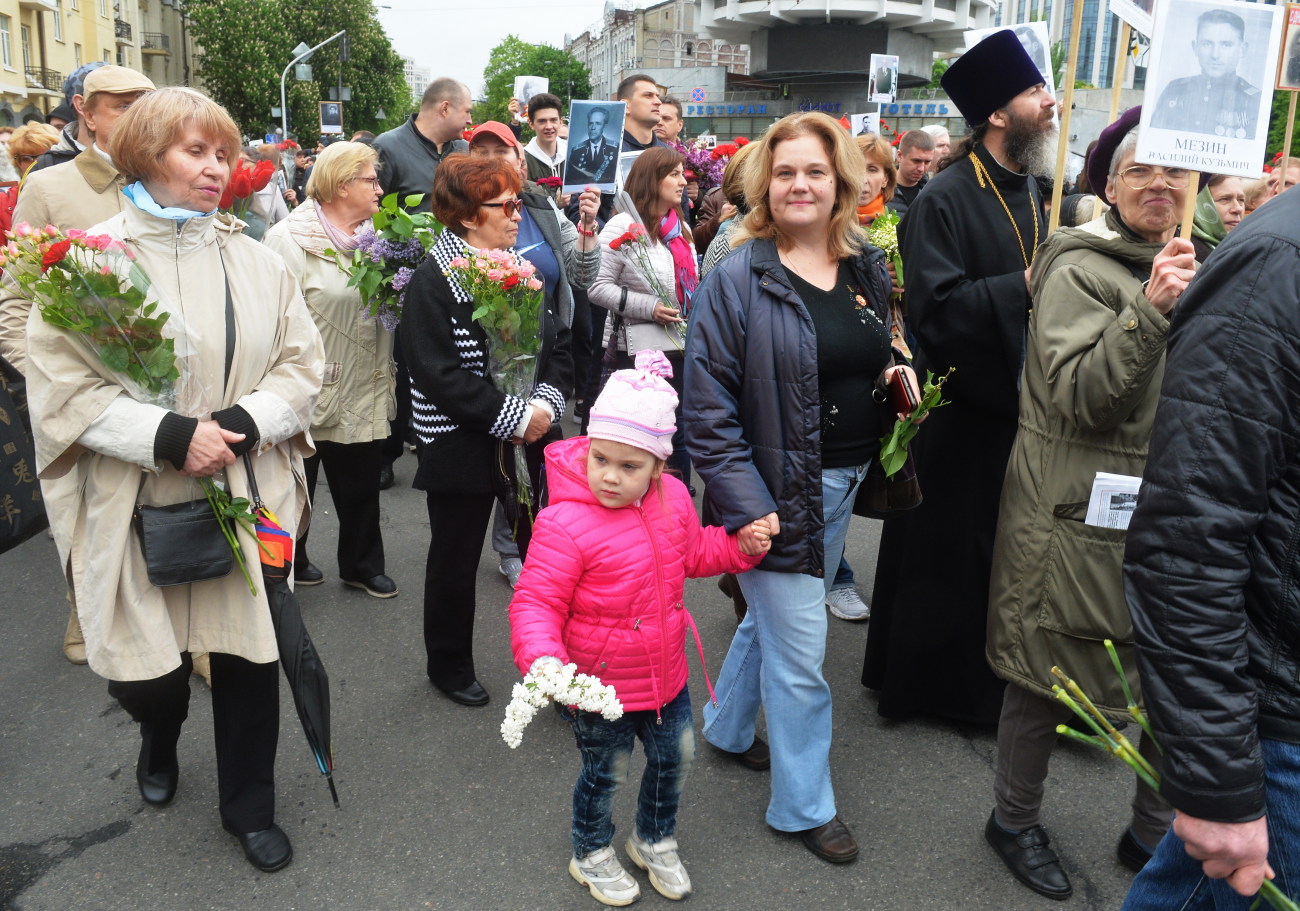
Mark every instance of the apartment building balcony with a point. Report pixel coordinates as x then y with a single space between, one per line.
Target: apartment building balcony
155 44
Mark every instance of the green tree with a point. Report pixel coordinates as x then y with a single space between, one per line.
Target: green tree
936 72
245 44
513 57
1277 125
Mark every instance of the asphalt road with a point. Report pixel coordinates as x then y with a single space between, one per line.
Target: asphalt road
438 813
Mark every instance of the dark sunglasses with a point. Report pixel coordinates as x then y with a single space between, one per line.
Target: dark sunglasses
508 207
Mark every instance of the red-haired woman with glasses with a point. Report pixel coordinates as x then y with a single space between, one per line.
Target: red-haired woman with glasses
464 423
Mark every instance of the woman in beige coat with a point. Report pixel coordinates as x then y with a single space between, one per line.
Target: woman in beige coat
358 399
100 451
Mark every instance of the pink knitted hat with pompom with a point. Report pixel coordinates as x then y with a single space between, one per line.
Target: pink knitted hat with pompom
638 407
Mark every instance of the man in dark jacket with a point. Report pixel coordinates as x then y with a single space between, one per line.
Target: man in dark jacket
1211 573
409 154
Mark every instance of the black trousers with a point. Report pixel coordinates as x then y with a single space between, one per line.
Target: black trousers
352 470
246 723
457 524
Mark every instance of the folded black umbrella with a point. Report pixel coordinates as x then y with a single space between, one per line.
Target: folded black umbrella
308 681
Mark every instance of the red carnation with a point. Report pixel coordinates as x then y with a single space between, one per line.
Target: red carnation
725 150
509 282
742 141
54 254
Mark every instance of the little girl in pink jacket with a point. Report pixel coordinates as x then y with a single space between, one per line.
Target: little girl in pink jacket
602 588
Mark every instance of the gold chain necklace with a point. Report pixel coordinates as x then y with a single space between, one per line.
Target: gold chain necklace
981 175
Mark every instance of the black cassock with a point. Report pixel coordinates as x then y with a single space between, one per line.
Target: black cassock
967 307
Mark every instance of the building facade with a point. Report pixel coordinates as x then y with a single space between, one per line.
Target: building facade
417 77
662 36
42 41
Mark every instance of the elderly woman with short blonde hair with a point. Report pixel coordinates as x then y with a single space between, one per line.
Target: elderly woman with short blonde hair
359 395
249 380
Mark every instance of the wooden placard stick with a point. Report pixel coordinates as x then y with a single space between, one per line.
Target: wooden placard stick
1290 128
1063 144
1189 204
1121 62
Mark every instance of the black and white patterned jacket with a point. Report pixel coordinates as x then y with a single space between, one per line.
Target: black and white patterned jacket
452 395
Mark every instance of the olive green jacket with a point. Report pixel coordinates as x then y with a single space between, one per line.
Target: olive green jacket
1094 362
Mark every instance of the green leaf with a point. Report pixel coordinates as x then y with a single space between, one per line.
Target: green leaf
413 200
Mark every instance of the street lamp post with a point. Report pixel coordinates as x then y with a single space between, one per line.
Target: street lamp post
284 107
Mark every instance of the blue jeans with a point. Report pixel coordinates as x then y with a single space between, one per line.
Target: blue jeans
669 741
1173 879
843 575
775 661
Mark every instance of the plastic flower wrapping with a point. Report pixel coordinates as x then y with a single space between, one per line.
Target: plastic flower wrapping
90 286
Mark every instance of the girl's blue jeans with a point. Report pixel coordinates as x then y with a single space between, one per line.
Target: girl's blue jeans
668 737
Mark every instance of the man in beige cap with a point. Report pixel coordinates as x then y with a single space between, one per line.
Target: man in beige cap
77 194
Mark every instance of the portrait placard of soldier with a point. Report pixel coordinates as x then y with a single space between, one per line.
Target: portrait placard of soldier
883 87
1212 104
862 124
595 137
1136 13
331 117
1288 70
1034 38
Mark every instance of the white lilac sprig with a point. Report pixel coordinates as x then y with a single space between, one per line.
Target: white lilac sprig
549 680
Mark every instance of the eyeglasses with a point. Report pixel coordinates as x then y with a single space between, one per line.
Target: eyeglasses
373 181
1139 177
508 207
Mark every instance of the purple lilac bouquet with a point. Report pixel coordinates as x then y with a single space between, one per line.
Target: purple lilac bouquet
389 250
702 161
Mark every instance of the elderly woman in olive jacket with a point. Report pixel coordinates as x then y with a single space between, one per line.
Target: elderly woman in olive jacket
1102 296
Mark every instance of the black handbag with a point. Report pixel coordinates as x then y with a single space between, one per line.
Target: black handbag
182 543
22 511
880 497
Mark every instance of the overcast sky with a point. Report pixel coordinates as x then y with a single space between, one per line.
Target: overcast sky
454 37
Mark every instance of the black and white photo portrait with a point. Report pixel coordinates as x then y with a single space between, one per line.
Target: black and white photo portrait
331 118
1288 71
862 124
595 137
883 85
1212 72
528 86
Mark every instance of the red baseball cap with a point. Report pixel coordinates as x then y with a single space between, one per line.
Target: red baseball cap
497 129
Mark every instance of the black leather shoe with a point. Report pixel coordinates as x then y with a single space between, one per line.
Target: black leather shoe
1029 859
307 574
1130 853
378 586
157 788
832 842
268 850
472 695
758 757
386 476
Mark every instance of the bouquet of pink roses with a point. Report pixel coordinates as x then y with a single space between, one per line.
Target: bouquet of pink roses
508 305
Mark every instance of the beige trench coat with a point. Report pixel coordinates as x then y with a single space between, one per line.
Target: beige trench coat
359 396
135 631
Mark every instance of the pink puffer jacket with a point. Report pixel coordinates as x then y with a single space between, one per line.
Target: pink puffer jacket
602 588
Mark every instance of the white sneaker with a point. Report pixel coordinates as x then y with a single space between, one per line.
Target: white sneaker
660 860
847 604
601 872
511 567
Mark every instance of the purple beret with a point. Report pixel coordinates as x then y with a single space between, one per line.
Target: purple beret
1098 163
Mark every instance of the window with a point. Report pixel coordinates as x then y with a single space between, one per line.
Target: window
108 57
6 41
103 9
75 4
58 20
25 33
76 55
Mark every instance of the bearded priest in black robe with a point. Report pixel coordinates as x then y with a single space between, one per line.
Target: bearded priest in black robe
968 243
